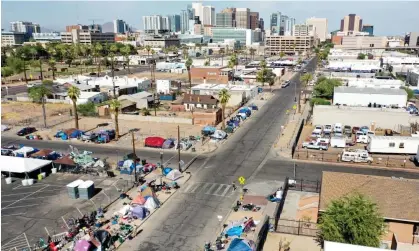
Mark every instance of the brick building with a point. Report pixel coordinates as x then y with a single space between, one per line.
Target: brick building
211 74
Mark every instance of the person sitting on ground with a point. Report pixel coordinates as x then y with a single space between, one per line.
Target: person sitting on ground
277 196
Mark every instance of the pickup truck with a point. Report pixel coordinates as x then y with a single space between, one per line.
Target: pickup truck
316 145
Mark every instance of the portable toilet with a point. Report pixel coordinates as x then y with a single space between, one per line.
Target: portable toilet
87 190
73 189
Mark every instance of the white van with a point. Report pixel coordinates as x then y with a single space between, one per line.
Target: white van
362 139
338 127
358 155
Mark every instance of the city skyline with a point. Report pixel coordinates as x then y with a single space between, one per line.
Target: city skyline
66 13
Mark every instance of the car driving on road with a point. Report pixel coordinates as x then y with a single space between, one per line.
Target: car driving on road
285 84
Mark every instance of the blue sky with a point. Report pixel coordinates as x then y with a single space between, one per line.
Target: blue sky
388 18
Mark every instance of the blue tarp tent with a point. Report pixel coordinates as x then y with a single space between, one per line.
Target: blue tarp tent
76 134
168 143
235 231
240 245
167 170
139 212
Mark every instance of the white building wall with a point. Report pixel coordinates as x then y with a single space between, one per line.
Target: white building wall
321 27
363 99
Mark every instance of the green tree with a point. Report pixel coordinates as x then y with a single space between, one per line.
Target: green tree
224 97
17 65
353 219
265 75
74 93
188 65
305 79
185 52
97 53
51 64
222 53
325 89
126 52
207 63
38 94
148 49
115 107
6 71
281 54
361 56
88 109
233 62
410 93
319 101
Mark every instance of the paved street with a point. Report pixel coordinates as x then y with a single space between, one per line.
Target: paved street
191 217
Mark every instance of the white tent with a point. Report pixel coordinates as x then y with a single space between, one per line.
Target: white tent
174 174
151 203
4 128
21 165
24 150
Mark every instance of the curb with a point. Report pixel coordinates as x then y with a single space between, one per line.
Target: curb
400 169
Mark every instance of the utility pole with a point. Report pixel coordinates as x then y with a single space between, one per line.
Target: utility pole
40 67
134 156
178 149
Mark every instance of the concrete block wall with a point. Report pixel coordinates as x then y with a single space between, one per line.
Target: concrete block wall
173 120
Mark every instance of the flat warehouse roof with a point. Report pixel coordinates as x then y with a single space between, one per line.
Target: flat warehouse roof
369 90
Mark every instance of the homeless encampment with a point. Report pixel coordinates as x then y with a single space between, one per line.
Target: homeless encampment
238 244
168 143
218 134
139 212
208 130
174 175
156 142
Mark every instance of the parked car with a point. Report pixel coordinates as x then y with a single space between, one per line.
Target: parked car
26 130
285 84
304 71
327 129
316 145
355 129
362 139
318 128
347 130
338 127
315 134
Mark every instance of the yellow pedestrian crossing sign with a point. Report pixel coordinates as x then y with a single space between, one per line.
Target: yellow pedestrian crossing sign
242 180
294 107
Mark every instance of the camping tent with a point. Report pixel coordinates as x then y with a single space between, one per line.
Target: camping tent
174 174
4 128
151 203
238 244
218 134
21 165
139 200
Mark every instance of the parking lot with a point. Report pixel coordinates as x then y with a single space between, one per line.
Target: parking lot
43 209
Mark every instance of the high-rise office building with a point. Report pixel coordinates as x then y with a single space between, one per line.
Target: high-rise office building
304 30
224 20
190 11
174 23
156 22
26 27
351 24
320 24
205 13
368 28
261 24
281 24
119 26
184 21
254 20
243 18
96 28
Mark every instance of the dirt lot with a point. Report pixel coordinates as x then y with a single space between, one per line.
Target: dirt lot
163 75
25 113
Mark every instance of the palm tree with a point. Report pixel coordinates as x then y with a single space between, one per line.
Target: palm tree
188 65
233 63
224 97
115 106
281 54
252 52
51 64
185 52
38 94
305 79
126 52
97 53
222 52
148 49
166 51
74 93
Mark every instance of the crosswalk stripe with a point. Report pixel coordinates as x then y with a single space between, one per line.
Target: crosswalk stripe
209 190
197 186
225 190
188 187
218 189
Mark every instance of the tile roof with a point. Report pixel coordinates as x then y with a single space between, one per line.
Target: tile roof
396 198
199 99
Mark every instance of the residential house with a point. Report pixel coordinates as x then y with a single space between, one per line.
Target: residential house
396 198
193 101
94 97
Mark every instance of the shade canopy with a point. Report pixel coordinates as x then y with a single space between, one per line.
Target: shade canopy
21 165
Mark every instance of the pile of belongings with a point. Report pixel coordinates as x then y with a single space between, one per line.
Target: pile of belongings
146 198
219 135
238 227
24 151
84 159
46 154
168 143
33 137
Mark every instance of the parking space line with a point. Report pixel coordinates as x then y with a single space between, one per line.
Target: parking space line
4 195
24 197
92 202
7 207
29 246
46 230
6 215
79 211
32 198
62 217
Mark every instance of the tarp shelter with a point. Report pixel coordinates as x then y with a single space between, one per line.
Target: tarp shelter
64 163
218 134
4 128
139 200
238 244
43 153
104 237
139 212
125 210
156 142
21 165
168 143
167 170
174 175
208 130
82 245
24 151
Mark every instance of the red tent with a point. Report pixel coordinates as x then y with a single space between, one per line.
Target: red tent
156 142
139 200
